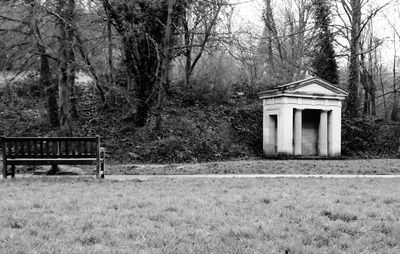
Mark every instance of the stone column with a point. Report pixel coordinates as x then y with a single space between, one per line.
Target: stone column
298 125
265 132
335 125
285 131
323 134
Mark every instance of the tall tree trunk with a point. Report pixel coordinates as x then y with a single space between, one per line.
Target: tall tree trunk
165 66
50 89
66 10
188 54
191 61
364 80
45 75
372 84
353 100
110 51
386 113
395 109
111 95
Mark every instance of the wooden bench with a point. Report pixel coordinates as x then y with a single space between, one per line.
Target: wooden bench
52 151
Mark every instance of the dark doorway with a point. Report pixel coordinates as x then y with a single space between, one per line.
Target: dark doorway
309 137
273 136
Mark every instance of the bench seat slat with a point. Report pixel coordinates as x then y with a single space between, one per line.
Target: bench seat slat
51 139
50 161
51 156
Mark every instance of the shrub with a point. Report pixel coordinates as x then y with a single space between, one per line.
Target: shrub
247 124
27 86
192 138
370 137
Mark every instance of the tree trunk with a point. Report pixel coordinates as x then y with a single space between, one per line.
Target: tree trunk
66 63
45 75
165 66
372 73
110 51
50 89
353 101
188 53
111 95
386 116
395 109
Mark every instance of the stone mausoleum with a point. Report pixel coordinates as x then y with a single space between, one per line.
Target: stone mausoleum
302 118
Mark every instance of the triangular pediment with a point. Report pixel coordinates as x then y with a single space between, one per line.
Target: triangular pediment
314 89
312 86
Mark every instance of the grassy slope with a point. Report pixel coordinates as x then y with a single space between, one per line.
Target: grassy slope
190 133
200 216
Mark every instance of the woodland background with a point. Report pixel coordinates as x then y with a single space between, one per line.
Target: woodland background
177 80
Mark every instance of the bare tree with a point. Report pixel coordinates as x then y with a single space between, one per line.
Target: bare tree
199 21
28 25
288 43
165 65
66 58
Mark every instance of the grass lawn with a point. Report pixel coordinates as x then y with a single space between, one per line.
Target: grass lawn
373 166
364 166
81 215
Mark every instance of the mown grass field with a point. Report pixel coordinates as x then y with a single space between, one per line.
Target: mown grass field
82 215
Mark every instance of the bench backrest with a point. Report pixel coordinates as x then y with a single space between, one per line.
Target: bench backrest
59 147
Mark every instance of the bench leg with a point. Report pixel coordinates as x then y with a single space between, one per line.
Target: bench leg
5 170
97 170
102 168
12 171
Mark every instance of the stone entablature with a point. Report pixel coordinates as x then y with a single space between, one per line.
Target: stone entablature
302 118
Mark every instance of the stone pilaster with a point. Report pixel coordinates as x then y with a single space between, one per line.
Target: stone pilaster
323 134
298 125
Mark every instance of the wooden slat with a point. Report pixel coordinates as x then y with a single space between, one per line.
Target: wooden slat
66 148
85 145
47 149
59 147
41 147
28 150
77 148
50 161
34 150
93 148
50 148
8 149
21 148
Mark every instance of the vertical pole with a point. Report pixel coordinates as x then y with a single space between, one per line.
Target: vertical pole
3 150
102 162
98 157
298 125
323 134
12 171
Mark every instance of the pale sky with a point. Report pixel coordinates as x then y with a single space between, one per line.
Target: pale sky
248 17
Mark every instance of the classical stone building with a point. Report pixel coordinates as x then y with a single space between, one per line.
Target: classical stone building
302 118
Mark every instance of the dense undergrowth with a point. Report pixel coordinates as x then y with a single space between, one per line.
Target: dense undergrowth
192 130
195 128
